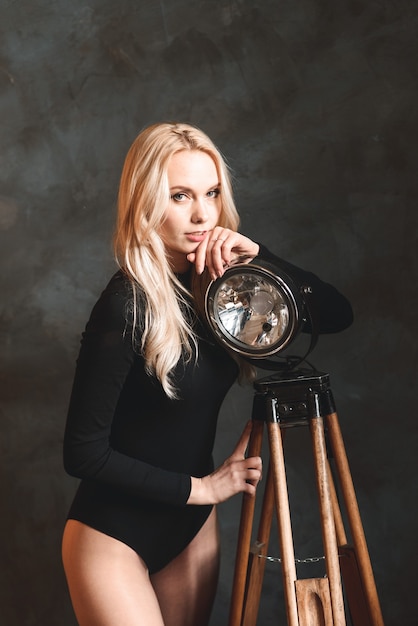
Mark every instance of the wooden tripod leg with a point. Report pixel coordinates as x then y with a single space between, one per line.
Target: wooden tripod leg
353 589
327 520
354 520
257 561
338 519
283 520
244 536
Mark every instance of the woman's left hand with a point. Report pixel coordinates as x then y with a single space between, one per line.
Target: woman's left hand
219 249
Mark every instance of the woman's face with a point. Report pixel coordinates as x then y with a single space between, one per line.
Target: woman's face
194 207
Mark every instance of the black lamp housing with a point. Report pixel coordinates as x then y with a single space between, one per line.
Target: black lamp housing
257 310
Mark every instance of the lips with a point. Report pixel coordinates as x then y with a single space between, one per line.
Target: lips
197 236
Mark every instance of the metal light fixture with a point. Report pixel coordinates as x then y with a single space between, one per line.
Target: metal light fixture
257 309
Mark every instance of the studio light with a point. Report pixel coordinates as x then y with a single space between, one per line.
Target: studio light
257 310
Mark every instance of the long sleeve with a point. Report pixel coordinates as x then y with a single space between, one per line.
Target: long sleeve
104 366
333 309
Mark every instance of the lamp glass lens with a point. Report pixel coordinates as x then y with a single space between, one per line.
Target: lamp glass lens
253 311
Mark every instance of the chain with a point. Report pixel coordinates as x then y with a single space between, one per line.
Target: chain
276 559
255 549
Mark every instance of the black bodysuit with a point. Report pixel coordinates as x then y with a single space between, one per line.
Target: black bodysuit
135 449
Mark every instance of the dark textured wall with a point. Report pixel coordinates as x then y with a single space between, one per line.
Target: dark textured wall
314 104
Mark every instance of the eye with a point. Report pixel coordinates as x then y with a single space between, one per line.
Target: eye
179 197
213 193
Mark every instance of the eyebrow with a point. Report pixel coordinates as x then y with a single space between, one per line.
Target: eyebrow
189 189
180 187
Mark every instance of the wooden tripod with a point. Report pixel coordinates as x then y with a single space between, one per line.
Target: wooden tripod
280 401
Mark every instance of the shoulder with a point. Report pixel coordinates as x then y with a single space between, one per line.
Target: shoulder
119 286
113 307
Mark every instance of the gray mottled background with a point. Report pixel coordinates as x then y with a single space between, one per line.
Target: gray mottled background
314 103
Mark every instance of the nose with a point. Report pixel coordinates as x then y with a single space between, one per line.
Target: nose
199 211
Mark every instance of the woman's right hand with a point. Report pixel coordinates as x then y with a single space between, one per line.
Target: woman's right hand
220 248
237 474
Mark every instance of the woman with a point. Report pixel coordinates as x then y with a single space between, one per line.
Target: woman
141 543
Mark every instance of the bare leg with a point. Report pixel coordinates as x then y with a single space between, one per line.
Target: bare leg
186 587
109 584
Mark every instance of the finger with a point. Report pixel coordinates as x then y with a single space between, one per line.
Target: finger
198 257
254 463
212 253
243 441
218 252
250 489
253 475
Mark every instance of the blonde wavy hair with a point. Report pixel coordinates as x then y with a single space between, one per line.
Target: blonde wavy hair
165 335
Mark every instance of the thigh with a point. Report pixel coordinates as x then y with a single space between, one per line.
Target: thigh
186 587
109 584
